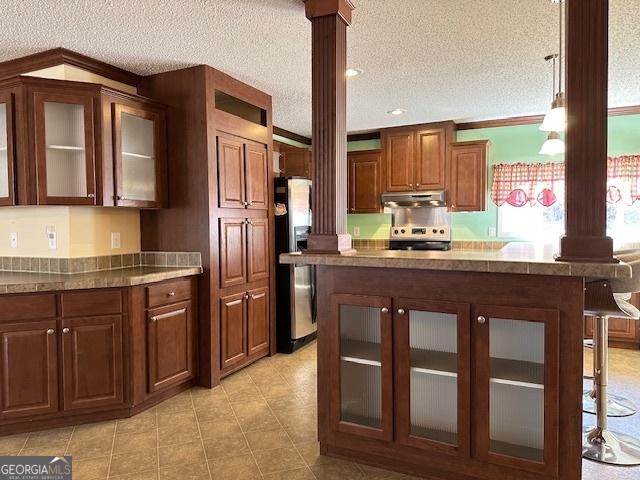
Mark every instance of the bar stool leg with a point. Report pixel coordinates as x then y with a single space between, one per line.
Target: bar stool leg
617 406
599 443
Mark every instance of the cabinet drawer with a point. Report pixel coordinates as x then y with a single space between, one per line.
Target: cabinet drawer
170 292
26 307
97 302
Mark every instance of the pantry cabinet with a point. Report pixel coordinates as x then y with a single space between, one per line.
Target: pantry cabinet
415 157
72 143
364 180
244 250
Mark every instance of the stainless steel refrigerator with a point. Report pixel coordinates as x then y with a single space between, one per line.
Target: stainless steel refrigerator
295 284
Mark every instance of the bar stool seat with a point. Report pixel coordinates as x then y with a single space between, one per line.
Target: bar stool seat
606 298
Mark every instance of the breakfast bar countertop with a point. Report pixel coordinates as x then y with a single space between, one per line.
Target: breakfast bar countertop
24 282
517 257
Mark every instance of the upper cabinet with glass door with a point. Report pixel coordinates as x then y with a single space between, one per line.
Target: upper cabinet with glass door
138 156
64 148
6 150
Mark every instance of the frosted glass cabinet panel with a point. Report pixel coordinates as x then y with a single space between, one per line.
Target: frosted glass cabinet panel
65 149
6 177
364 365
137 157
521 351
435 413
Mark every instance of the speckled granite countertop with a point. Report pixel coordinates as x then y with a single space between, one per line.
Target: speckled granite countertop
22 282
520 258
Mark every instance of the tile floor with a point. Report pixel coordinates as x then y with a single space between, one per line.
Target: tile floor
260 424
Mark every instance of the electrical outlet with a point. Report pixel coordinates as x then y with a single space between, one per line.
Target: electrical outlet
13 239
115 240
492 231
356 231
52 238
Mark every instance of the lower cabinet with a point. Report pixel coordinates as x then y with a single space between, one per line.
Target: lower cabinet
28 368
244 327
92 368
170 345
405 372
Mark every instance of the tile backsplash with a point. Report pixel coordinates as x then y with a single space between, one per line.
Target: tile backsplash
100 263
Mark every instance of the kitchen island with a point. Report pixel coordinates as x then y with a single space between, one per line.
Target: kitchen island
459 364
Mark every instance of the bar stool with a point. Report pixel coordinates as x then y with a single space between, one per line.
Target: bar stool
603 299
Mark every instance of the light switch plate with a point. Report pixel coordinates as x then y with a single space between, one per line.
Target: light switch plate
356 231
115 240
492 231
13 239
52 239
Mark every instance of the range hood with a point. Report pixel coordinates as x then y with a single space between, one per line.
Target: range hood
427 198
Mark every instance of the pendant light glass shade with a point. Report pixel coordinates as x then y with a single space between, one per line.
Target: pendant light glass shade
553 146
556 119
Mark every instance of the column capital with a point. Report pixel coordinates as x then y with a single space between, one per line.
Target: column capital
322 8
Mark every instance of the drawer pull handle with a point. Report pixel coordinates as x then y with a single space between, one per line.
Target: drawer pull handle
50 331
155 318
65 330
171 294
401 311
482 319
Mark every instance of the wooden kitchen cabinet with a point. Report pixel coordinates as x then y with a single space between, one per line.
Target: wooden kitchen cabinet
364 180
170 345
28 368
139 153
415 157
74 143
244 250
233 329
7 150
242 173
467 178
258 321
92 362
295 162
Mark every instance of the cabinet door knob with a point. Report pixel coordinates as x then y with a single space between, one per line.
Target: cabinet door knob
121 197
50 331
246 296
153 319
482 319
417 184
246 204
401 311
171 294
65 330
384 310
91 195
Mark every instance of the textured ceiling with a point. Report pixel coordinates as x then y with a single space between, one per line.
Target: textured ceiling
439 59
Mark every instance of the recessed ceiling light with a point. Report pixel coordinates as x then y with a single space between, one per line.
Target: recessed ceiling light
353 72
397 111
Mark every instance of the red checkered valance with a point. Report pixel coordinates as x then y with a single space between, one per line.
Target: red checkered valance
520 183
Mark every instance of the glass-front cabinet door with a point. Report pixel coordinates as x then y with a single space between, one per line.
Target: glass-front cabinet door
6 150
138 151
517 365
65 154
433 374
361 366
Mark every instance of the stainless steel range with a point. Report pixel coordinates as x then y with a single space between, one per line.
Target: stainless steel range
420 220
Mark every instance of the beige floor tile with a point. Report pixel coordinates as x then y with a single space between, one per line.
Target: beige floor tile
167 419
175 435
303 433
245 394
148 475
91 468
134 442
143 421
184 454
297 474
373 473
179 403
129 463
239 467
90 448
297 416
254 416
12 444
93 430
289 402
277 460
310 452
203 392
213 410
49 437
275 390
337 470
232 444
268 439
53 449
219 428
195 471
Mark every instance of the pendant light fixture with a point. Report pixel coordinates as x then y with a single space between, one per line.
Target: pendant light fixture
554 145
556 119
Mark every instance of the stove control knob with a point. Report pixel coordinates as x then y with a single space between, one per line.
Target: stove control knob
442 232
395 231
402 231
435 230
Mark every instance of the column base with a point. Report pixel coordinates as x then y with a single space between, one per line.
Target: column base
586 249
330 244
